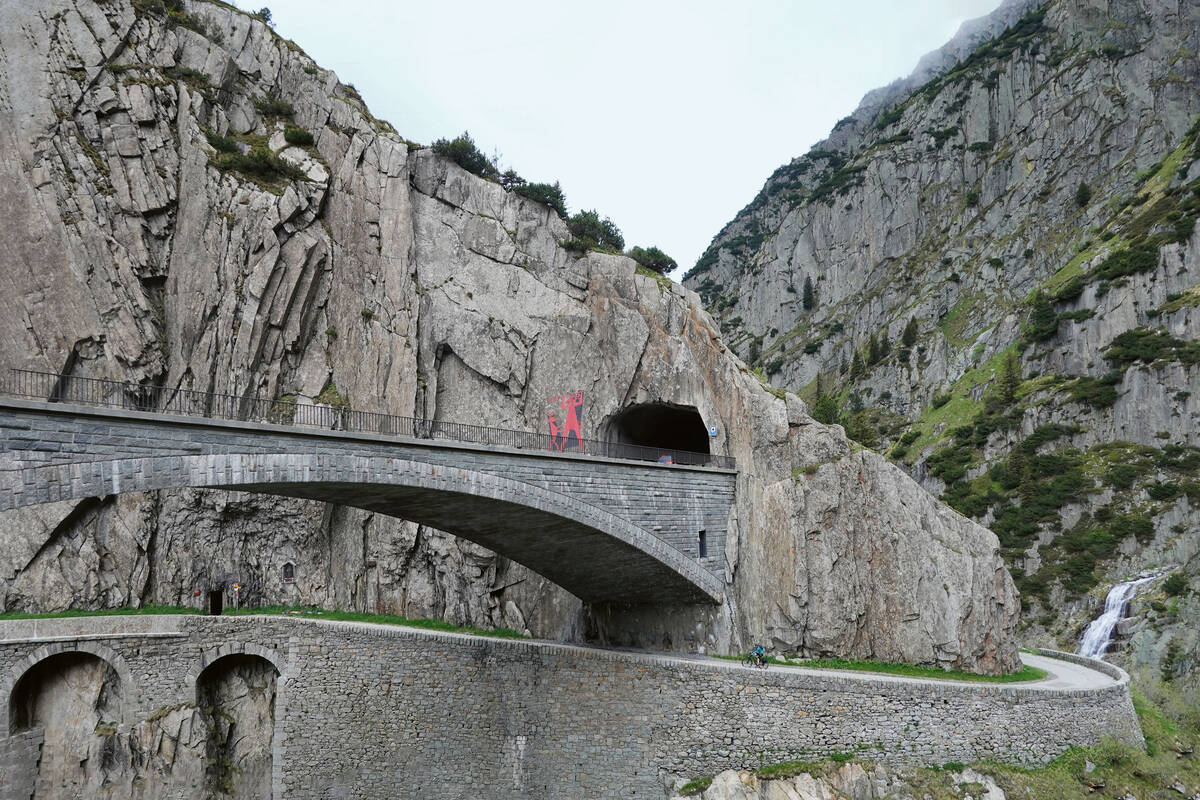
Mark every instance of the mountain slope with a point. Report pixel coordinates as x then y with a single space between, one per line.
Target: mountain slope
993 277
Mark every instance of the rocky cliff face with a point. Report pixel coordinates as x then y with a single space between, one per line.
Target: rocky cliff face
172 222
989 272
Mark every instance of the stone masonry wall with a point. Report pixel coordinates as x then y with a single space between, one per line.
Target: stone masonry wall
371 711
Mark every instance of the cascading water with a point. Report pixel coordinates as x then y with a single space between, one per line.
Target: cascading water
1099 633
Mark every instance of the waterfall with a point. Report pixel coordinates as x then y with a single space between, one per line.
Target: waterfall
1098 634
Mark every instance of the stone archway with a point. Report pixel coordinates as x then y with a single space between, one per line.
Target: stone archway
13 680
73 698
239 696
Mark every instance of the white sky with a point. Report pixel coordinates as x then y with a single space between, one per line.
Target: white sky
666 116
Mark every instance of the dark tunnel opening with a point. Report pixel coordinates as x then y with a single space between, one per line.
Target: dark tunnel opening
660 425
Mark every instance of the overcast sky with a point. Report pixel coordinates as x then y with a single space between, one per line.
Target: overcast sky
665 116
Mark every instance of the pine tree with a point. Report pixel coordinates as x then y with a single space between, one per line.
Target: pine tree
824 408
857 368
885 346
1010 379
810 295
873 355
909 337
1043 322
1017 467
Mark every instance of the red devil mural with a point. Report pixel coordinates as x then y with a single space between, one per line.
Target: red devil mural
565 421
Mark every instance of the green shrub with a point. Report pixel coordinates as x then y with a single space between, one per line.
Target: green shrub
1140 258
1070 291
462 151
188 75
1083 194
1122 476
1175 584
653 259
1095 392
1149 346
550 194
260 163
222 144
1043 322
940 399
297 136
586 226
273 107
890 117
812 347
972 198
1164 490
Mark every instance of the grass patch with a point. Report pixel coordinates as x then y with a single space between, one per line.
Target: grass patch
662 280
382 619
697 786
955 407
1186 299
1026 673
100 612
790 769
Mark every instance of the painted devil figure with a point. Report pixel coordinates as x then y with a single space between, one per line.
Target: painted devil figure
566 420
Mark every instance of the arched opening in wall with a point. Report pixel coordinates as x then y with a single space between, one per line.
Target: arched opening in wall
236 698
74 699
659 426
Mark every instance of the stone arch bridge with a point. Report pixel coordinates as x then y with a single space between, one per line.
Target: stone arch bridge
606 529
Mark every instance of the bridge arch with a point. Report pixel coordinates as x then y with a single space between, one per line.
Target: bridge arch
587 550
257 750
27 665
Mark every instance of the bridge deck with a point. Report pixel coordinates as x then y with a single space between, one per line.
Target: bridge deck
608 530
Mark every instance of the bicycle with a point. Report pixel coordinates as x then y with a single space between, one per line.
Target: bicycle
750 660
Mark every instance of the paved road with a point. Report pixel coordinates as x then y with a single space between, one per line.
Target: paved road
1062 674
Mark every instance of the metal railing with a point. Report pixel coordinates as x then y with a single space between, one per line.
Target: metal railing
105 393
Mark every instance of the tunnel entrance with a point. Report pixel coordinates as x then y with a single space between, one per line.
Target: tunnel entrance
661 426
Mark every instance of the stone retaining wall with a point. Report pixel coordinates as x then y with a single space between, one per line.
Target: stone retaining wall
372 711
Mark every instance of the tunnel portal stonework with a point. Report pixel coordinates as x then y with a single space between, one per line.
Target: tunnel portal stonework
382 711
606 530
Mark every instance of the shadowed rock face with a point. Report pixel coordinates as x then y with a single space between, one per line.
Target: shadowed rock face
73 698
397 281
236 699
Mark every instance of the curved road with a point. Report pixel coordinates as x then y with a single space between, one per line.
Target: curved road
1063 675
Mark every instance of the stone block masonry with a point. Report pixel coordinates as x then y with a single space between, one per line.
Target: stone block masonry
368 711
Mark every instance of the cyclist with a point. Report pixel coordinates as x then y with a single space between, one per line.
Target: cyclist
759 654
